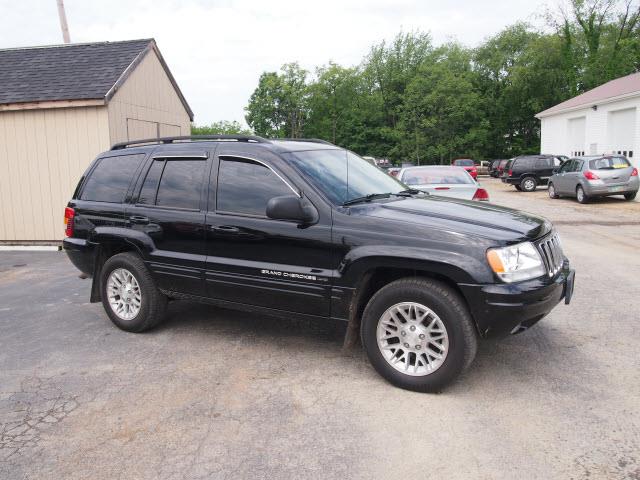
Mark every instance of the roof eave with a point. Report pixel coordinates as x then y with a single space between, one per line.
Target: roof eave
132 66
582 106
49 104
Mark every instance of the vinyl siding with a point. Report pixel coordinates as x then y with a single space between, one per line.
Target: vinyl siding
147 103
43 154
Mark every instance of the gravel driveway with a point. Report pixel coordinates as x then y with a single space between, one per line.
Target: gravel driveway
219 394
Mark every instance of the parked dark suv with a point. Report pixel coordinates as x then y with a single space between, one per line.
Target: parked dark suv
527 172
304 229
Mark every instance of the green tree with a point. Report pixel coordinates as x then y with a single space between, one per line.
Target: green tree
223 127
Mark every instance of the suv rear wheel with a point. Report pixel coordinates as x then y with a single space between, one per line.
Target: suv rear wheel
528 184
418 334
129 294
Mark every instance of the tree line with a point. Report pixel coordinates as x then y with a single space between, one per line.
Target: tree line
411 100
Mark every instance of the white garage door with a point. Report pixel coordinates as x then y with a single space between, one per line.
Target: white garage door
621 126
576 130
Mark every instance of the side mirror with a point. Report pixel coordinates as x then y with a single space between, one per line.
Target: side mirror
555 170
293 208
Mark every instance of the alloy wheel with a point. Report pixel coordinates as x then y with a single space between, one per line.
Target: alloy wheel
124 294
412 339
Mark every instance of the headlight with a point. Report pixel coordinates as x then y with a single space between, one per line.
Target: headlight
516 262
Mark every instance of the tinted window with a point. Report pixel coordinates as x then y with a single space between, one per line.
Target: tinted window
543 163
463 163
246 187
150 186
523 164
181 184
109 180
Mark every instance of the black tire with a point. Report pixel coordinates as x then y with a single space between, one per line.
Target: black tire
528 184
581 196
153 303
518 187
630 196
447 304
552 191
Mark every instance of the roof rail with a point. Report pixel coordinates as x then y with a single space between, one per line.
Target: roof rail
310 140
217 138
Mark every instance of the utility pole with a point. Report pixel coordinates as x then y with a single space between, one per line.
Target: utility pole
63 22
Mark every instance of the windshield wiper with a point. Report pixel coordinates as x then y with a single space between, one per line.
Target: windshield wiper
366 198
408 192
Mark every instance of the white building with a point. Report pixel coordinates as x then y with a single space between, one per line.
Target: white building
602 120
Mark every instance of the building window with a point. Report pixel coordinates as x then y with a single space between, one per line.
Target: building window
630 153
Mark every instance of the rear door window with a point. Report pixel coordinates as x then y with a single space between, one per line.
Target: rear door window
542 163
174 183
245 187
110 179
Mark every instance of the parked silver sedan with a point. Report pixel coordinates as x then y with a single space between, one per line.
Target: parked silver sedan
595 176
445 181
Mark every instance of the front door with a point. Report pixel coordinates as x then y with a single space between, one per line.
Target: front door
169 208
561 181
255 260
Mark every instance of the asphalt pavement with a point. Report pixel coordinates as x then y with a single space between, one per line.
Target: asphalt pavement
213 393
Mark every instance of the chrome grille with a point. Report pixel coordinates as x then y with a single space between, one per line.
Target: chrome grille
551 252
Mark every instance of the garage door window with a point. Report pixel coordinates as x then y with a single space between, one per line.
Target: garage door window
109 180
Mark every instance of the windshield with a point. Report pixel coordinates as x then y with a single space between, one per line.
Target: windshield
342 175
609 163
463 163
436 176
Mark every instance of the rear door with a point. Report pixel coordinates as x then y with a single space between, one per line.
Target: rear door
253 259
169 207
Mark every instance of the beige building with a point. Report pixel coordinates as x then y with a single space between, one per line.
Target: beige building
62 105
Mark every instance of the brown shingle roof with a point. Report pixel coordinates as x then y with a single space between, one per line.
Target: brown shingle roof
615 88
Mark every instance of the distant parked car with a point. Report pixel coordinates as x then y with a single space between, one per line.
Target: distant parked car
500 168
493 168
528 171
468 164
445 181
483 167
595 176
393 171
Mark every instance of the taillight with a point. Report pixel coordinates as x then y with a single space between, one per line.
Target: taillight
589 175
69 213
481 195
510 173
634 172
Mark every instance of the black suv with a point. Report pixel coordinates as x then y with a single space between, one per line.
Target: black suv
302 228
528 171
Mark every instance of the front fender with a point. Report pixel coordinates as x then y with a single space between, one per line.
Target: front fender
456 266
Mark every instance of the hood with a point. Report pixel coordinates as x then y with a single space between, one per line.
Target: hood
469 217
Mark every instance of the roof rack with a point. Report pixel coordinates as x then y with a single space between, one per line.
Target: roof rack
191 138
310 140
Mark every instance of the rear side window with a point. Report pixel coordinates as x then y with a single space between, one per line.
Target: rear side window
174 183
109 180
610 163
543 163
246 187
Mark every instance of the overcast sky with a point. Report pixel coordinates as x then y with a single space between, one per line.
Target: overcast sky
217 49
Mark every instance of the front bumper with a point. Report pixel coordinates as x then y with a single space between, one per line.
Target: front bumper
501 309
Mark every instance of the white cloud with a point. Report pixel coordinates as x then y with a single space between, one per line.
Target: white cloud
217 49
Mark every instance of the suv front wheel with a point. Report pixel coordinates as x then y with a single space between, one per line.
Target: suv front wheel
129 294
418 334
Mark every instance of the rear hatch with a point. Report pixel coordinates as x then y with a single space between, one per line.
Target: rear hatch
613 171
465 191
